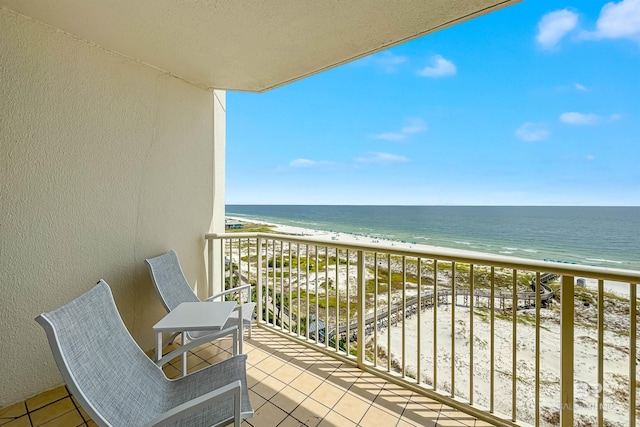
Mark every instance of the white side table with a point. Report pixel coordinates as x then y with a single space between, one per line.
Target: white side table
192 316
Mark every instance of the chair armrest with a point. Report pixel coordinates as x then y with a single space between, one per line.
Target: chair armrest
230 291
199 403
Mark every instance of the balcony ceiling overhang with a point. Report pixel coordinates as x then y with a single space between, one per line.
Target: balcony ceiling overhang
249 45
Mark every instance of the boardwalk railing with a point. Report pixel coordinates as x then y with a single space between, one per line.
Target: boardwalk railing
472 330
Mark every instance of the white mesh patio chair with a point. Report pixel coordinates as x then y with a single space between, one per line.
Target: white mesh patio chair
118 385
173 289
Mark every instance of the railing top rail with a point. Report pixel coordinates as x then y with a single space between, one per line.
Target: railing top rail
451 255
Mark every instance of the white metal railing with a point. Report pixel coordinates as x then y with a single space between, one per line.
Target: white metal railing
481 333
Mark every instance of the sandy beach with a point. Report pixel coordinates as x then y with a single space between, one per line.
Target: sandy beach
618 288
456 338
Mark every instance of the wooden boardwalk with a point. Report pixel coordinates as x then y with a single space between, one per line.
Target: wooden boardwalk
445 296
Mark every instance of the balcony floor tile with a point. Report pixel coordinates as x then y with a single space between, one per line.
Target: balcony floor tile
289 385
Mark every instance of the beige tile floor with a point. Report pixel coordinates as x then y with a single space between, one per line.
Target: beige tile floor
289 385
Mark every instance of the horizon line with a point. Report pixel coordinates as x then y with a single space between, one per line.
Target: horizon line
435 205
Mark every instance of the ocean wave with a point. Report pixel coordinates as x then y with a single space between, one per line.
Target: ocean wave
533 251
462 243
506 252
510 249
602 260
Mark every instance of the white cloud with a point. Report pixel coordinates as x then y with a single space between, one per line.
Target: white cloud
388 61
414 125
411 125
439 67
381 158
580 119
302 163
590 157
554 26
580 87
389 136
618 21
532 132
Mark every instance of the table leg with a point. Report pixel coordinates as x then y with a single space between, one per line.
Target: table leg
158 354
184 355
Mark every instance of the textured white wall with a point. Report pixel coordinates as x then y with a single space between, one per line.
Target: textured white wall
105 162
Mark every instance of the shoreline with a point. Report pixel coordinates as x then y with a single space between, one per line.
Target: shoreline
618 288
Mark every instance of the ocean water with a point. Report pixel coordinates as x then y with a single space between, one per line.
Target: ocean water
599 236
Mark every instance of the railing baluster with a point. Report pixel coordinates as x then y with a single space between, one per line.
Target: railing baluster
492 351
281 311
316 322
435 324
306 251
210 267
361 308
298 287
259 281
388 313
566 349
348 321
290 308
266 282
453 328
404 315
223 264
326 297
274 271
633 318
231 269
337 333
248 273
471 336
419 334
265 285
269 294
514 317
239 272
600 352
375 309
538 349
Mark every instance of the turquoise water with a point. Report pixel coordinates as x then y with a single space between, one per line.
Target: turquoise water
599 236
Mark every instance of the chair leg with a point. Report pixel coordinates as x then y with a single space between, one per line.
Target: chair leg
250 327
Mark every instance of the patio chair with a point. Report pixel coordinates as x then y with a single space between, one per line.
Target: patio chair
118 385
173 289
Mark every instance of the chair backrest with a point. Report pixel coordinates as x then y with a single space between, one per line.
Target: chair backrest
107 372
169 281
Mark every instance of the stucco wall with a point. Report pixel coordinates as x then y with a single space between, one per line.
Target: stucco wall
105 162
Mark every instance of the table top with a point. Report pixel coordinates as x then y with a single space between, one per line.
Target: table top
196 316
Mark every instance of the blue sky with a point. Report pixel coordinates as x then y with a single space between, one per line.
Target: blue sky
535 104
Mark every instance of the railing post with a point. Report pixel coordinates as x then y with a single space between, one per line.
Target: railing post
223 266
259 279
361 277
566 349
210 265
633 316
